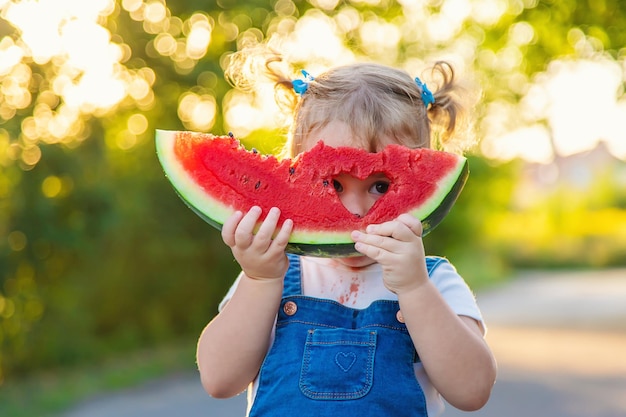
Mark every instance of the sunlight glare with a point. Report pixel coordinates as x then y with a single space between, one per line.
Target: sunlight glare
31 155
10 55
456 10
521 33
155 11
14 87
582 103
87 45
94 91
380 38
370 2
138 88
87 75
347 19
441 28
325 4
245 113
488 12
616 130
530 143
316 40
39 24
199 37
165 44
577 103
132 5
137 124
197 112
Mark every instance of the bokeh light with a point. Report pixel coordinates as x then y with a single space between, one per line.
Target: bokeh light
85 70
569 109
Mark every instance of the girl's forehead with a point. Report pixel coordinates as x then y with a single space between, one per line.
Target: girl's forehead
337 134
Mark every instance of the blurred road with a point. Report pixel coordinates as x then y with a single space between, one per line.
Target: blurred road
559 338
560 341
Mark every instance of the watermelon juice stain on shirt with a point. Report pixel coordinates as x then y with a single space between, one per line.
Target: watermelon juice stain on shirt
349 297
353 287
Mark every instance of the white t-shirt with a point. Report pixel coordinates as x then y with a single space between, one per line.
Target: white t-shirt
326 278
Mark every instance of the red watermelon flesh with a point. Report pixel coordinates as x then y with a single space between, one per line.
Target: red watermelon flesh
216 175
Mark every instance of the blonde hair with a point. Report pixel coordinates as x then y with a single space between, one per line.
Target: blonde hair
374 100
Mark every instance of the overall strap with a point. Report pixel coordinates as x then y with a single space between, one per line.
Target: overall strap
293 282
432 262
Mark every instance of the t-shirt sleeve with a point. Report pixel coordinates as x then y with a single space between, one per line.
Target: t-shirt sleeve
230 293
456 292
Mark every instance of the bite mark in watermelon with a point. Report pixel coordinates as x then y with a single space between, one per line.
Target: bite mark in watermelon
216 175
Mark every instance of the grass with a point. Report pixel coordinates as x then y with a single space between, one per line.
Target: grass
49 394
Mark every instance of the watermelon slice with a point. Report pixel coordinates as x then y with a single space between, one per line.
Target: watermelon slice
216 175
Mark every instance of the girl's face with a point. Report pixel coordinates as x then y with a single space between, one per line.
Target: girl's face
358 196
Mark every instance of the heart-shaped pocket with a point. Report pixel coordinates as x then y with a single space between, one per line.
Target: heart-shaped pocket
345 360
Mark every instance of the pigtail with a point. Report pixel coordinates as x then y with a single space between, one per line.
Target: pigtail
241 70
279 72
450 128
253 65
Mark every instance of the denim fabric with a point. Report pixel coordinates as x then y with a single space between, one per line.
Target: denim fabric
330 360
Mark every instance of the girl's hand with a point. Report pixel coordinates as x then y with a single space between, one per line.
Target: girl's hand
259 255
397 246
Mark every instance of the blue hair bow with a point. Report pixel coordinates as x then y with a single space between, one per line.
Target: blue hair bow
301 85
427 96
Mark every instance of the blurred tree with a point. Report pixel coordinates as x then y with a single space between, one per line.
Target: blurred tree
98 254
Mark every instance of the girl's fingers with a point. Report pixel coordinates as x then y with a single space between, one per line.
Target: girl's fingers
398 228
229 227
412 223
263 237
282 237
267 228
388 236
369 239
395 229
245 228
239 229
269 237
368 250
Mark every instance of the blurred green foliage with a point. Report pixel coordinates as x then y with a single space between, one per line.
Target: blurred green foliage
117 263
97 253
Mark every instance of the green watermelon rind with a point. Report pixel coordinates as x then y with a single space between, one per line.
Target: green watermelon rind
301 241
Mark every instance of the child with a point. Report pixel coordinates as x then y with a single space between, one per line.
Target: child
384 334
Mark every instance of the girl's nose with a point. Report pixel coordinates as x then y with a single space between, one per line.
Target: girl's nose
356 203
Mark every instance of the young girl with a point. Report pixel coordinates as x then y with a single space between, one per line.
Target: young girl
384 334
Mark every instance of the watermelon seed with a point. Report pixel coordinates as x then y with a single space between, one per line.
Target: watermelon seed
292 170
257 185
231 134
326 183
254 151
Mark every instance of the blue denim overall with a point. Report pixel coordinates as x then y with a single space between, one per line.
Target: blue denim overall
332 360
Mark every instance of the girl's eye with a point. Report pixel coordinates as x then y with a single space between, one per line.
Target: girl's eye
380 187
337 185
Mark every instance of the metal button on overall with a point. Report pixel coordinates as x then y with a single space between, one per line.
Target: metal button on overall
399 316
290 308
